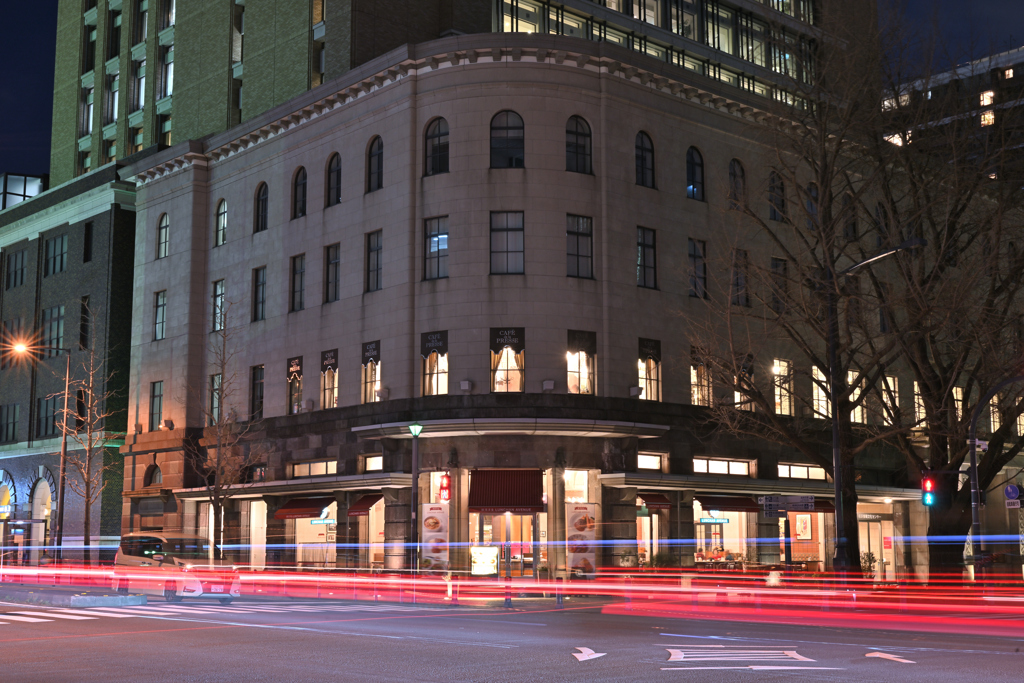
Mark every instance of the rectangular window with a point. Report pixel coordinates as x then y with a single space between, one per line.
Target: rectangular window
890 399
87 243
216 387
256 392
507 242
782 372
140 85
988 118
89 54
156 405
648 366
371 381
581 361
995 417
168 71
218 308
141 20
56 255
259 294
648 461
163 236
47 412
16 269
579 248
85 325
700 380
374 463
857 414
697 251
987 98
53 331
780 284
329 388
646 259
9 423
508 359
88 102
332 273
374 255
740 278
435 374
819 396
919 412
958 402
802 472
113 97
298 283
435 249
716 466
159 315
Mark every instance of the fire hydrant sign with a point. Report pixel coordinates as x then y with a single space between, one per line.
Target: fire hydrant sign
581 537
434 536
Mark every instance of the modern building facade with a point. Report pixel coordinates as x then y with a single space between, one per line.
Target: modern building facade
489 236
63 286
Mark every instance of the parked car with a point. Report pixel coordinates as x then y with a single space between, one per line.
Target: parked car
174 566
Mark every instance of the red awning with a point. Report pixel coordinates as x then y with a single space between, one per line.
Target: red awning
656 501
824 505
497 491
728 503
361 508
301 508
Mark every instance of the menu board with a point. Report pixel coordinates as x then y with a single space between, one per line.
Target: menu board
484 560
434 536
581 538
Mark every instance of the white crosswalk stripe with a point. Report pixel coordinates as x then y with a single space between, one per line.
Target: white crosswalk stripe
30 620
55 615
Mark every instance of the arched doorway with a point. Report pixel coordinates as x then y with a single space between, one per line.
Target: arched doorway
42 500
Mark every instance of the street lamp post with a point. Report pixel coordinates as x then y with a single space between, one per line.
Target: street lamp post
415 430
58 532
837 384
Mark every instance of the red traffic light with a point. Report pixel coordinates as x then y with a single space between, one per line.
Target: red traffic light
928 485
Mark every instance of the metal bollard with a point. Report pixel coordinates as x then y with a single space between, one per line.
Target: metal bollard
558 592
508 591
628 591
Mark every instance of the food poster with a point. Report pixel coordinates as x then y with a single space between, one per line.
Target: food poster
434 536
581 538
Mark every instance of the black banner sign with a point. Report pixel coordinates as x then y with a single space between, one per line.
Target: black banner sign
295 367
583 341
434 341
329 360
650 348
514 337
371 352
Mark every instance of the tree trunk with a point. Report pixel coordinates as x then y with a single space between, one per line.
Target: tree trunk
947 533
87 523
850 524
217 512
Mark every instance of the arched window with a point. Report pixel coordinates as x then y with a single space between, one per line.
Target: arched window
508 140
812 206
153 476
694 174
776 197
737 185
299 194
163 236
437 147
220 235
334 180
259 213
644 160
578 146
375 165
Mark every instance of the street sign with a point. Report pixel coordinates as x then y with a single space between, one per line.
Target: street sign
1012 492
766 500
798 499
777 514
773 507
1013 504
800 507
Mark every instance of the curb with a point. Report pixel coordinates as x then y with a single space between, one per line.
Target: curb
72 600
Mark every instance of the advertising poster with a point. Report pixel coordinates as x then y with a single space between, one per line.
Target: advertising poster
581 538
434 536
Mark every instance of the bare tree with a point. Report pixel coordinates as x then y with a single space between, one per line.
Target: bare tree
231 450
88 413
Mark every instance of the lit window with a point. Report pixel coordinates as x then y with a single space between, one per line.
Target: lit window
507 375
434 351
648 461
576 486
995 416
890 399
801 472
988 118
374 463
329 380
435 251
919 414
958 402
649 370
371 389
987 98
295 385
857 414
700 382
716 466
580 361
782 371
1008 73
819 395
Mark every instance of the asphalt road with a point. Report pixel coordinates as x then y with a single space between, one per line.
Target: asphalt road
343 641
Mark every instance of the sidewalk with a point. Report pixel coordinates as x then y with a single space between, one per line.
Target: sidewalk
66 597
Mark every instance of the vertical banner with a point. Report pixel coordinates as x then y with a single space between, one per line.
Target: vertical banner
434 536
581 538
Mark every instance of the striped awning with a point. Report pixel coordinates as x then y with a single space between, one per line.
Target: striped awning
520 492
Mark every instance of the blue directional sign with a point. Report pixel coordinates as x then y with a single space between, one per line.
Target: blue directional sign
1012 491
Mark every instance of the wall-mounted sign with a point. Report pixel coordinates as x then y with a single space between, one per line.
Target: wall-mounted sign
578 340
650 348
434 341
483 560
371 352
513 337
329 360
295 368
713 520
323 521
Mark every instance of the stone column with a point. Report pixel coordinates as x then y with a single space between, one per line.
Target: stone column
396 527
680 529
619 528
556 520
344 548
458 520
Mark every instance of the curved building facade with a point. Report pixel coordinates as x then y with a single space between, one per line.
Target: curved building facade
499 238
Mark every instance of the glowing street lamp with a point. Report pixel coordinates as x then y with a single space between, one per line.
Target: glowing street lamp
414 429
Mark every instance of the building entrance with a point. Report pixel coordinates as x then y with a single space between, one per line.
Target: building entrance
516 538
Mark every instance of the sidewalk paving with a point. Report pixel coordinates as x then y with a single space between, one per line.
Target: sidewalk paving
66 597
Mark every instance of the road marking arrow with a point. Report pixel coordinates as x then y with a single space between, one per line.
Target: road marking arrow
586 653
886 655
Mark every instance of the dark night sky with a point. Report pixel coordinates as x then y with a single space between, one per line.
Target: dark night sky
968 29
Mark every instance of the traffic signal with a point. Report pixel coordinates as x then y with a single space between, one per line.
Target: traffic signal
929 489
